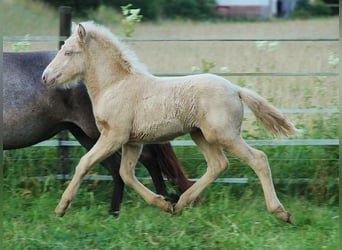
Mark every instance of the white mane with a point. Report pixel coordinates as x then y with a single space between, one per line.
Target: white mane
127 54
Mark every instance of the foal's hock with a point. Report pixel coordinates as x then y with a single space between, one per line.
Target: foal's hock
125 98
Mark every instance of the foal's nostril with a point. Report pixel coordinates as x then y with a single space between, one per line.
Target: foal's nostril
44 78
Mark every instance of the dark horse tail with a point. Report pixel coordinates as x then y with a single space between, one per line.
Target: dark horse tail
170 166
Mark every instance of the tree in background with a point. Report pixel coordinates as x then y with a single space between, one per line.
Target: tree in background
79 7
187 9
305 9
151 9
192 9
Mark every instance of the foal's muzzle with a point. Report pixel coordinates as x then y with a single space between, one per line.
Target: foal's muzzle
49 78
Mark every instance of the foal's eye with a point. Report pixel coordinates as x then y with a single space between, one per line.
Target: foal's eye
68 53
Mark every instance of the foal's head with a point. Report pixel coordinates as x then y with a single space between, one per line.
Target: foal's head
70 62
90 47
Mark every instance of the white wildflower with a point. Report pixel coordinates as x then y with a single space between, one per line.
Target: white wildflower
272 46
333 60
195 69
266 45
261 45
135 12
130 18
125 12
224 69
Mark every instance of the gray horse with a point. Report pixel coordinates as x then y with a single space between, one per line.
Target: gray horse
33 113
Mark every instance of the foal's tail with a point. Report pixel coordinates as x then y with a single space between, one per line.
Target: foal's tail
268 115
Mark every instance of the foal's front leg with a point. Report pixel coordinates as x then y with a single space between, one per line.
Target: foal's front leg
130 155
101 150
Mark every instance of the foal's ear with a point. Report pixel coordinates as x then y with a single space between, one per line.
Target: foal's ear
81 33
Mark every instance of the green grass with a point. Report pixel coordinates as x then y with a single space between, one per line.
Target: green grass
222 221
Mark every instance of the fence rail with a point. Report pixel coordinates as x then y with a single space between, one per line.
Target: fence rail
255 74
181 39
185 143
148 179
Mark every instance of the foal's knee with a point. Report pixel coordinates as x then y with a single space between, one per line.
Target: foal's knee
126 175
83 166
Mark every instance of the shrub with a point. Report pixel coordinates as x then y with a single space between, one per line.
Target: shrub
304 9
150 10
79 7
191 9
320 9
153 9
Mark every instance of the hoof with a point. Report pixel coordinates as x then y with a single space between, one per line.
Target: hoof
283 215
177 209
60 209
164 205
289 218
59 213
115 214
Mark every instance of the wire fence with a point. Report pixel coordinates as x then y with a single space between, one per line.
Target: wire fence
180 39
186 143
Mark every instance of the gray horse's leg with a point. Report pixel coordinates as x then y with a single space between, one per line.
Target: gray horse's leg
130 155
104 147
216 162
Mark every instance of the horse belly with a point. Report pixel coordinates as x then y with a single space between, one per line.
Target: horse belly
158 132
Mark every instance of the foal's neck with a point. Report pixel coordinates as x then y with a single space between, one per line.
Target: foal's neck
105 71
110 65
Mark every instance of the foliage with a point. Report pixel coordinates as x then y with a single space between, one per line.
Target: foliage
79 7
105 15
190 9
320 9
205 68
152 10
304 9
149 9
333 60
21 45
131 18
334 10
302 5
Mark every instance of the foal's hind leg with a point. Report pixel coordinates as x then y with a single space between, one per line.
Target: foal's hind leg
259 163
217 163
130 154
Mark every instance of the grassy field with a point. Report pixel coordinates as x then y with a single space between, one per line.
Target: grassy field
232 216
222 221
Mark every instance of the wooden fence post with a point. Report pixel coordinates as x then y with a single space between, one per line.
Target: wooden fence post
63 151
64 22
